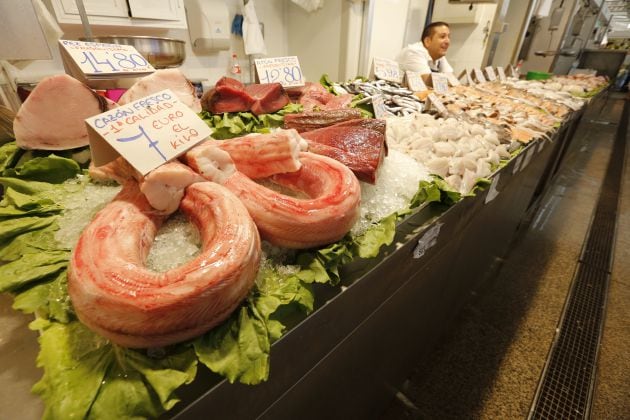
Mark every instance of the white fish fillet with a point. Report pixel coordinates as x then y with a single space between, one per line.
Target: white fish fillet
172 79
52 117
164 186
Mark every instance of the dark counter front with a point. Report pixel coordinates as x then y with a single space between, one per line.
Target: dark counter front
347 359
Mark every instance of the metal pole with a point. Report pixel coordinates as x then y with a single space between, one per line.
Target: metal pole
429 18
87 30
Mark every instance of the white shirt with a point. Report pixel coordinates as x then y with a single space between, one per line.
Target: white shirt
415 57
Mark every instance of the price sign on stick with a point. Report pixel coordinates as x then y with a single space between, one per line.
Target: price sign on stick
440 82
97 61
434 102
283 70
490 73
378 103
415 82
386 69
452 80
479 75
147 132
501 74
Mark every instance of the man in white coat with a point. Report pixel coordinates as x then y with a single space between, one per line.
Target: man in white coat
428 55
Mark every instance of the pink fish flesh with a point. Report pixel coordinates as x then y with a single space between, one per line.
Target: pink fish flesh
114 294
260 156
325 217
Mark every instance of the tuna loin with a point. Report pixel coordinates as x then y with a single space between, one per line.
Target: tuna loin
311 120
269 97
52 117
228 95
358 144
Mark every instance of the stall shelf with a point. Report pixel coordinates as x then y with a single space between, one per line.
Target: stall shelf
348 358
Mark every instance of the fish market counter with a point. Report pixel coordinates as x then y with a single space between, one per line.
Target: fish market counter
352 353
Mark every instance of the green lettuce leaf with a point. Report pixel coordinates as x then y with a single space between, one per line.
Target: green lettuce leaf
41 240
49 300
327 83
31 268
237 349
9 154
10 228
448 195
16 203
53 169
278 295
85 376
235 124
369 244
25 186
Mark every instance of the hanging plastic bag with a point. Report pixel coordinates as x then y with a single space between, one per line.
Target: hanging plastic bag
252 35
309 5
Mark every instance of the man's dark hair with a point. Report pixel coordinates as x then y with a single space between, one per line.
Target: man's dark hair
430 29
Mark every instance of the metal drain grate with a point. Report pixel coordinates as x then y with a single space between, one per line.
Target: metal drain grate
566 387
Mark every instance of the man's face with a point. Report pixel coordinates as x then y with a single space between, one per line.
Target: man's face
439 42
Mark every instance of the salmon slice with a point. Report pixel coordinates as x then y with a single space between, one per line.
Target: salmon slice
172 79
114 294
52 117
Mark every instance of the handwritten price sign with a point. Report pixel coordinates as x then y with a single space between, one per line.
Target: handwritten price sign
440 82
479 75
283 70
501 73
490 73
147 132
434 102
386 69
95 60
452 80
415 82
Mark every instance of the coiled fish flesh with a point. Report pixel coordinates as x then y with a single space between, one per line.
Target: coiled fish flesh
115 295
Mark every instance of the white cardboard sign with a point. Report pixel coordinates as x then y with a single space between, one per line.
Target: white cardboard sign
386 69
378 103
98 61
491 74
452 80
434 102
415 82
479 75
440 82
283 70
147 132
501 74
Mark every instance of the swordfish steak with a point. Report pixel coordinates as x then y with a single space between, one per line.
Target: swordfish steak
52 116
